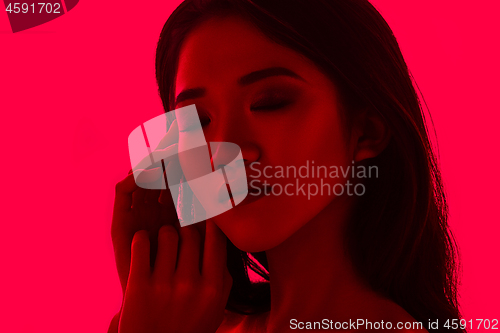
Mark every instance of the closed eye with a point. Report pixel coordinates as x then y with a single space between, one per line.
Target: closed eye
270 101
270 106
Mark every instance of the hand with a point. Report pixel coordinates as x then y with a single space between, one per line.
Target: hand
186 291
137 209
147 210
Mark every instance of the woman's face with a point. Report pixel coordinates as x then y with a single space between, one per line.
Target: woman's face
283 113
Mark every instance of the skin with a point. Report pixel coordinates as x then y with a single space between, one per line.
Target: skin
308 129
312 278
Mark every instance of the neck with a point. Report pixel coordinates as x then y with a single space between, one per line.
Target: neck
311 276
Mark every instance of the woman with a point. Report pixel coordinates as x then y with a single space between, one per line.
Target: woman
292 83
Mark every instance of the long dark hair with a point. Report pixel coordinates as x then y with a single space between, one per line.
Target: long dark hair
398 239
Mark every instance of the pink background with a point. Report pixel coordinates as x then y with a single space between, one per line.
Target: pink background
73 89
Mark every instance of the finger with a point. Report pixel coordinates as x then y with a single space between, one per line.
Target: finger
122 258
168 216
138 197
139 264
214 254
189 251
152 196
173 172
123 193
146 178
151 165
171 137
166 258
166 198
166 154
153 159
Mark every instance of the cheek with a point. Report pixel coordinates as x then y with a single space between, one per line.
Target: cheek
313 135
322 132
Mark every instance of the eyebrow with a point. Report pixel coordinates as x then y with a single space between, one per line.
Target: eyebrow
265 73
243 81
190 94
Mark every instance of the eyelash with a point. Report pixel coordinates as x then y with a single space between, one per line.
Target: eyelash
270 103
271 106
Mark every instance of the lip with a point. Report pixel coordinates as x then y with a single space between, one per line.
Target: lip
224 190
251 196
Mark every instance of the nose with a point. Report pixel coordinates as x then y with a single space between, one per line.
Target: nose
233 126
251 153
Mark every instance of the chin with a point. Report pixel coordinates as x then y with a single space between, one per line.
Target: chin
250 233
255 232
267 222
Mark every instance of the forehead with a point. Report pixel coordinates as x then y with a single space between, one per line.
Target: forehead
224 49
